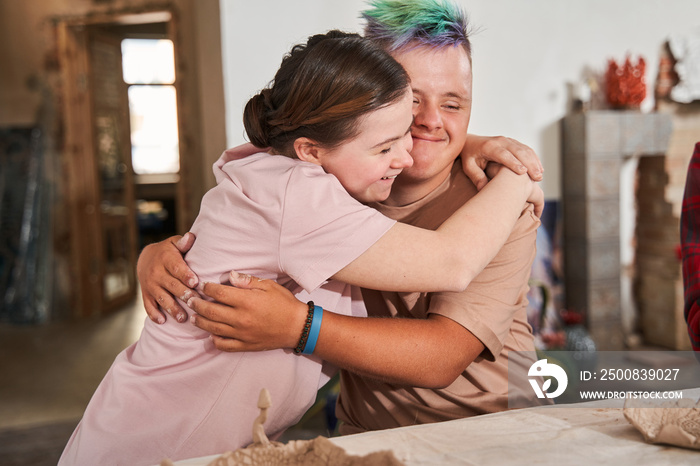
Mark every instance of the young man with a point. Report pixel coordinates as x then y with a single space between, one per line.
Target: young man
454 345
485 322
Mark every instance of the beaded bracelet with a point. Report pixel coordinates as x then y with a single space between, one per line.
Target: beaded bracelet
307 327
314 331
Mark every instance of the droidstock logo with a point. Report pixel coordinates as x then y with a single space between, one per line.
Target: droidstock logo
544 369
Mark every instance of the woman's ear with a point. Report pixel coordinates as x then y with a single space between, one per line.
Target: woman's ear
308 150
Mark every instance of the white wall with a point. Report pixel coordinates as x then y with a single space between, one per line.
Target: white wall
525 52
256 35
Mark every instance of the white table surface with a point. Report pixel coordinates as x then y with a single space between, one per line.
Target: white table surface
586 433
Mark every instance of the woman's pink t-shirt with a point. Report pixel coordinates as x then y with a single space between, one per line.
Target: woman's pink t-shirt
172 394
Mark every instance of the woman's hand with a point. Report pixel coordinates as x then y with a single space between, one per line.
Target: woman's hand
536 197
478 151
251 315
163 274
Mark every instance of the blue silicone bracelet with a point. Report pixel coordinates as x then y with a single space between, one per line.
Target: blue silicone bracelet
314 330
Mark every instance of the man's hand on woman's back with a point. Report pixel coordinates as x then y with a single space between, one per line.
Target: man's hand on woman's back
164 275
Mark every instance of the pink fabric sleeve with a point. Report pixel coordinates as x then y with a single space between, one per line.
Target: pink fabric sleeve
323 228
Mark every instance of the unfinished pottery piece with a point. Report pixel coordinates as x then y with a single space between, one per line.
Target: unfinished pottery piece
672 422
317 452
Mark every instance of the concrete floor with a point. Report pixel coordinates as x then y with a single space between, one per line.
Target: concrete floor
47 376
49 372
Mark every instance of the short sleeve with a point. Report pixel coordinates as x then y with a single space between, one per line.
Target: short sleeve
323 228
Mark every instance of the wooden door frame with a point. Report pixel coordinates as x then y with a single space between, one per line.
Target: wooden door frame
83 186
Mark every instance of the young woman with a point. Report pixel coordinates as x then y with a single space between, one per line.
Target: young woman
337 121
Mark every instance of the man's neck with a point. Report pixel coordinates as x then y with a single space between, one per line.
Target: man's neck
405 192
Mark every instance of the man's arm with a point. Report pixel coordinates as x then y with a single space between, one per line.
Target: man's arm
258 315
163 274
264 316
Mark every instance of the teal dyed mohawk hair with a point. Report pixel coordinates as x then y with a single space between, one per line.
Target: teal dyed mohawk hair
396 23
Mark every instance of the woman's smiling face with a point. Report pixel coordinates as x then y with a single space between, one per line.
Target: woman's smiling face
368 164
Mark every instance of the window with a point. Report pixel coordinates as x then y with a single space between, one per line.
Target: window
149 70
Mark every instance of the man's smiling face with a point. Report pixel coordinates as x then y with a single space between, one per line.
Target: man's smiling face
441 79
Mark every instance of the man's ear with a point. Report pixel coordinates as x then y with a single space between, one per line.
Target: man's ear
308 150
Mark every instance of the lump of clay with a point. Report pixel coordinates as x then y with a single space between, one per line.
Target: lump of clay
672 422
317 452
